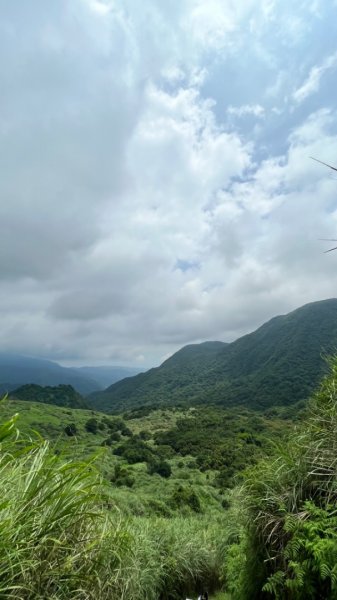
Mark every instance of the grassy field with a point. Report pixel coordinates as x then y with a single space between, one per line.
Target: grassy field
164 490
148 494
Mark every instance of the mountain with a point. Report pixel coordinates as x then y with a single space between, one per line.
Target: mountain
61 395
278 364
172 379
16 370
106 375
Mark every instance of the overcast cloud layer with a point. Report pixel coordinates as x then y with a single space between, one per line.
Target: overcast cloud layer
156 187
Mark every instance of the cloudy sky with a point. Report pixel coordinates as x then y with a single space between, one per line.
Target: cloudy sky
156 186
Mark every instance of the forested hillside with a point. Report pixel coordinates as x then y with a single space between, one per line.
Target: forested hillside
60 395
278 364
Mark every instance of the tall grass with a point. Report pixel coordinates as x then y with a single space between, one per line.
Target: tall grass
62 538
55 535
286 546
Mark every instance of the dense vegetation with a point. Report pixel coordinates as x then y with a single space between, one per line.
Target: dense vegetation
280 363
170 501
285 527
62 537
226 441
205 447
61 395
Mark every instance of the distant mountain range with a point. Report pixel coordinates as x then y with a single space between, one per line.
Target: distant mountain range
278 364
106 376
17 370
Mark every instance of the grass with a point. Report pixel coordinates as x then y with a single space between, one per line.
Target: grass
285 539
68 529
63 533
150 494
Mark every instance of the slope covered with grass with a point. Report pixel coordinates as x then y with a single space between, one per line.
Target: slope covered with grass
62 536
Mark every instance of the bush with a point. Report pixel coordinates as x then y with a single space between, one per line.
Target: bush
134 451
161 467
183 497
70 429
92 425
144 435
122 477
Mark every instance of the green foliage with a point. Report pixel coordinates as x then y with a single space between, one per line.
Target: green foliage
280 363
185 497
227 441
70 429
54 533
291 523
122 476
92 425
61 395
61 537
161 467
134 451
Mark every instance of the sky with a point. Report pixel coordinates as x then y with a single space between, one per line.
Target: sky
156 187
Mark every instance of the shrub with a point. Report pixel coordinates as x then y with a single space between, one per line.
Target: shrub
92 425
185 497
134 451
161 467
70 429
122 477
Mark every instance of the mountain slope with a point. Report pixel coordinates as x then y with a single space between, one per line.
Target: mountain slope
279 363
179 377
61 395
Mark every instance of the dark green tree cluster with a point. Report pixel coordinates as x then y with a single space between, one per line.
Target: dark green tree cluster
223 440
135 450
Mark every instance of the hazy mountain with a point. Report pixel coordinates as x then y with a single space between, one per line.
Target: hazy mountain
17 370
172 379
61 395
106 375
279 363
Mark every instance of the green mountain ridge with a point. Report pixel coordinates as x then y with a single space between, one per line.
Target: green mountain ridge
278 364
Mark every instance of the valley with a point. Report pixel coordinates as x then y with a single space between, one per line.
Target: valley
175 489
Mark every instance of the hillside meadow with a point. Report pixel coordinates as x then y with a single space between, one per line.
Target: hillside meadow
102 506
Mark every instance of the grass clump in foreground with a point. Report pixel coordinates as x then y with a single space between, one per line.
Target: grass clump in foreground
282 542
61 537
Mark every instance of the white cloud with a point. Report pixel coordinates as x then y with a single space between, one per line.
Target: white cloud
116 170
255 110
312 83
